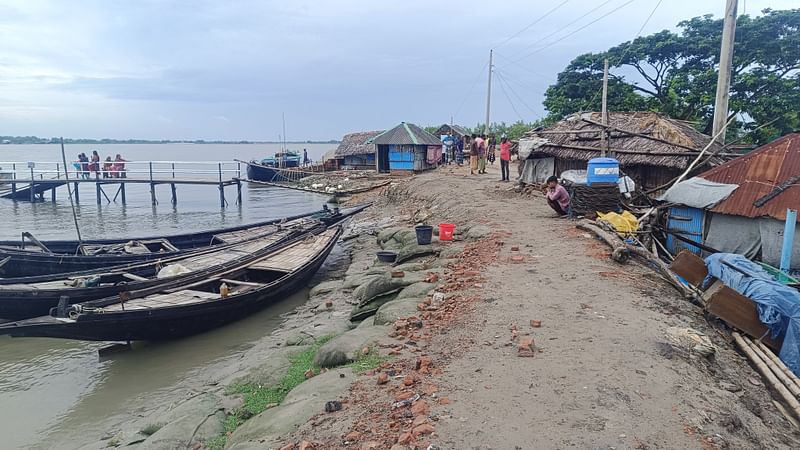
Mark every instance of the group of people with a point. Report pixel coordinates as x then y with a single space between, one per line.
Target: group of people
481 148
86 166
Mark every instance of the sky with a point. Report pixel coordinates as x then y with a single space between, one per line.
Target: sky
210 69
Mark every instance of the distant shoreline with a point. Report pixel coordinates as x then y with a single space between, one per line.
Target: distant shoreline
6 141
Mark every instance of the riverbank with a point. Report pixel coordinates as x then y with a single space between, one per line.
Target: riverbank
520 334
541 341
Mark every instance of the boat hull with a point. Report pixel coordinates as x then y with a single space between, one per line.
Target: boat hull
169 323
259 172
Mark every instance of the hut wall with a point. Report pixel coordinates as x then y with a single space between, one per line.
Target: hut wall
401 157
359 162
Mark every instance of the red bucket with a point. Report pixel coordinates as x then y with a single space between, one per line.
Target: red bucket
446 231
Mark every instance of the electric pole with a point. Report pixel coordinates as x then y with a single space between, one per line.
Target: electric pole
489 94
604 112
725 63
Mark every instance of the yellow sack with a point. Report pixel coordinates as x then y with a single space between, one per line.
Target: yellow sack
624 223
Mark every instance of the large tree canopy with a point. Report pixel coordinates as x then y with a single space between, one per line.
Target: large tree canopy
676 74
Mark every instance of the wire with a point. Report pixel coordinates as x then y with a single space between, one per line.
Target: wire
532 24
535 114
502 88
469 91
546 46
567 25
533 72
638 33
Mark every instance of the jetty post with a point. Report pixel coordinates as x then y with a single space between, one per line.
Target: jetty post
221 187
32 189
152 186
173 188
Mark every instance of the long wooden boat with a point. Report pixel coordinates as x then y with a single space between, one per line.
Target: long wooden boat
262 172
169 313
20 301
16 262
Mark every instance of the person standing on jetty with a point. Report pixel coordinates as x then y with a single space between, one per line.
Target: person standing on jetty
119 167
505 158
306 161
84 160
95 164
557 196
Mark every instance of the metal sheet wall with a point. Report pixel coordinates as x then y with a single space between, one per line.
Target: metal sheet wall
689 223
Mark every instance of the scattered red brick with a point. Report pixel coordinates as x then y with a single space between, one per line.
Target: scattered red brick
398 274
517 259
536 323
408 380
365 351
329 304
419 420
403 395
352 436
405 438
309 373
420 407
383 378
305 445
289 446
525 347
423 429
515 248
444 401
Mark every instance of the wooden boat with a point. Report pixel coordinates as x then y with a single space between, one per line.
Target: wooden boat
258 171
19 301
170 312
16 262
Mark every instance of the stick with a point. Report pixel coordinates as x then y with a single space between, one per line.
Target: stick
69 192
778 363
787 396
618 253
713 139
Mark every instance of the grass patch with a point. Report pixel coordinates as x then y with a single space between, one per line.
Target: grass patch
151 429
371 360
217 443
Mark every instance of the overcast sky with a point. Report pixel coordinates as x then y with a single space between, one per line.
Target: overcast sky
211 69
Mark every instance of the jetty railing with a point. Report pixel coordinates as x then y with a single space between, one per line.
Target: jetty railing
41 176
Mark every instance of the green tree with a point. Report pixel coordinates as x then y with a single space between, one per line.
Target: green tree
676 74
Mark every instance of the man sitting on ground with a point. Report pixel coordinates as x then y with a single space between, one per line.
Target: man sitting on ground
557 196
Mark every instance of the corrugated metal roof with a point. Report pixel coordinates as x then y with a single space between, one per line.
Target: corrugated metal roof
758 173
405 134
457 129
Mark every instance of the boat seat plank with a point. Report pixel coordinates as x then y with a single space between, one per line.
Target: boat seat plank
133 277
241 283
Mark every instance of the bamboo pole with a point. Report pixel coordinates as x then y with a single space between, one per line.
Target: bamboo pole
793 388
787 396
778 363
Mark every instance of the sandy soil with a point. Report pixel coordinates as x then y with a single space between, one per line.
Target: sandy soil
602 374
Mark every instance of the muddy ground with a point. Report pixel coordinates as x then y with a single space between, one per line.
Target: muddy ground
602 372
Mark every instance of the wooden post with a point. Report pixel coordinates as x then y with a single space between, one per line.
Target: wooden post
604 135
174 194
122 192
173 170
221 187
13 177
98 188
53 193
239 191
152 186
31 187
725 63
77 193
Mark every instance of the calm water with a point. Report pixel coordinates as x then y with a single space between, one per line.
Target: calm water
55 393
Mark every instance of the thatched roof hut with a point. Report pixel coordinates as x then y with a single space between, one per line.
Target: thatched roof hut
407 147
452 130
356 144
650 147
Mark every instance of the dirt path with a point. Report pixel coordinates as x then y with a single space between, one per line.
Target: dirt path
603 375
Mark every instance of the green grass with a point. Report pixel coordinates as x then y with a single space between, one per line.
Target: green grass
256 398
151 429
371 360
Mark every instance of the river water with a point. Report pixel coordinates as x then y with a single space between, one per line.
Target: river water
50 388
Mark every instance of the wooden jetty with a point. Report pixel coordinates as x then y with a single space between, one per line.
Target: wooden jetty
42 177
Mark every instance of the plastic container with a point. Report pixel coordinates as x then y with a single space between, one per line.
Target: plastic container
446 231
602 170
424 234
386 256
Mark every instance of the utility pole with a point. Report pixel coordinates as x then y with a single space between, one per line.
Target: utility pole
725 63
489 94
604 112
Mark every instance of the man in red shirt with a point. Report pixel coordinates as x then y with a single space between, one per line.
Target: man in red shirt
505 158
557 196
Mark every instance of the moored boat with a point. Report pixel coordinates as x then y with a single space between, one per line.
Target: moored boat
260 171
168 313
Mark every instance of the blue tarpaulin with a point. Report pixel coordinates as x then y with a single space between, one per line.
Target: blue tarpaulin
778 305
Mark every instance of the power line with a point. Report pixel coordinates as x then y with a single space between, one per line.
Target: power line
502 88
532 23
546 46
531 71
519 97
567 25
469 91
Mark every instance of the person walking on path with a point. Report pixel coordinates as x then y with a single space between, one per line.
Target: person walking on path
306 161
505 159
474 147
460 143
482 154
490 155
557 196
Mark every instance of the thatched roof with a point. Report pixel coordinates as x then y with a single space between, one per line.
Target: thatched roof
457 130
658 140
406 134
356 144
